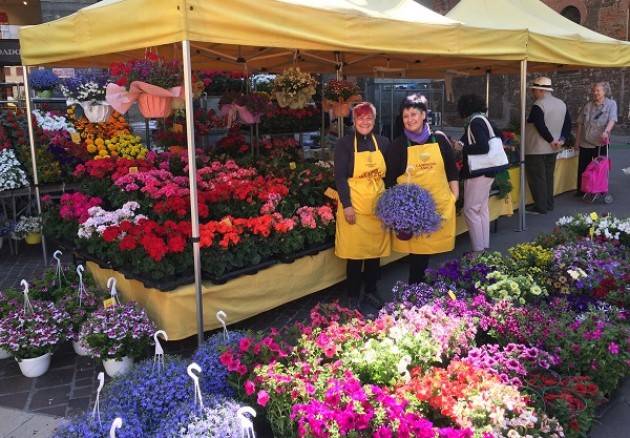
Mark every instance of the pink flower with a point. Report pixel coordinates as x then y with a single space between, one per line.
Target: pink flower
249 386
613 348
263 398
244 344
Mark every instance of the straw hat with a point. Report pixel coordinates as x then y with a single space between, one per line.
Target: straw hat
542 83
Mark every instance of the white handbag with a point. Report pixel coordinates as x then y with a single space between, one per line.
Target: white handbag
495 160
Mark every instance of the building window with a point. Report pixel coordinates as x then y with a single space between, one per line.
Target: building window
572 13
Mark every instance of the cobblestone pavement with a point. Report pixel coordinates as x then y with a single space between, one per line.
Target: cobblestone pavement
69 386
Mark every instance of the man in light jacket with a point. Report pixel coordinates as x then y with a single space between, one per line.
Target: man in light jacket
548 125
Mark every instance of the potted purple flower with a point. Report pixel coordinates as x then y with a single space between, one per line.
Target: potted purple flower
408 210
79 312
43 82
7 305
117 335
32 336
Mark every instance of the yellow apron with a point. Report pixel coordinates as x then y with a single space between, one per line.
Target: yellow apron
366 238
425 167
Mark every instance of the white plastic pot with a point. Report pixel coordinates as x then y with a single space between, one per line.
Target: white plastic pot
115 368
79 348
4 354
96 112
36 366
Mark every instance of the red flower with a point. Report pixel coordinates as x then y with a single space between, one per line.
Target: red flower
110 234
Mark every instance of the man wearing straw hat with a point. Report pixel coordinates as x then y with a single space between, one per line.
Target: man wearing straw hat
548 125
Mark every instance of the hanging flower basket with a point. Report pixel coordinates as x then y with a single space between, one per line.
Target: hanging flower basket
340 108
294 88
153 101
80 349
155 107
96 112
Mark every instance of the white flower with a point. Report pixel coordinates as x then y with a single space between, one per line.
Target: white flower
12 176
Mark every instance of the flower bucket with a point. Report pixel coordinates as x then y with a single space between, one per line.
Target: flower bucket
44 94
247 116
96 112
4 354
36 366
154 107
33 238
404 235
80 349
115 368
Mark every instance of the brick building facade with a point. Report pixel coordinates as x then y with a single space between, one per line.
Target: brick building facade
609 17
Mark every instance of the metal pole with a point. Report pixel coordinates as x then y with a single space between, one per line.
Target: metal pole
192 177
488 92
391 113
31 140
522 226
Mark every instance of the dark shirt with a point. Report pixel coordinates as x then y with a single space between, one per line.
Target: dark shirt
344 161
481 136
396 158
537 117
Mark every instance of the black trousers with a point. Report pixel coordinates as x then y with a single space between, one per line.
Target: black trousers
418 264
359 271
585 158
539 170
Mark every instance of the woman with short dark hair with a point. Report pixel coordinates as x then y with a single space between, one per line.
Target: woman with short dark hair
472 108
420 156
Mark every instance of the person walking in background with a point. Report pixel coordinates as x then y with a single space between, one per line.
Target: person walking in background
476 187
359 175
594 125
425 158
548 125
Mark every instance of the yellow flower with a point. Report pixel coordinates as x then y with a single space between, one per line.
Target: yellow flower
102 153
91 148
594 216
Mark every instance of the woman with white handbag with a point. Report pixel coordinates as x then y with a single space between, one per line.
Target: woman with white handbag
483 158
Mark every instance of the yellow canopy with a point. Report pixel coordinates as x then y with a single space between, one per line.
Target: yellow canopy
552 38
371 36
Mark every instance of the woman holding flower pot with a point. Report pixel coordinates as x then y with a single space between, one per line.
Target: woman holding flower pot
425 158
359 172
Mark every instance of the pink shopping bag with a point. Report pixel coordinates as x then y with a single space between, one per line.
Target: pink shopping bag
595 177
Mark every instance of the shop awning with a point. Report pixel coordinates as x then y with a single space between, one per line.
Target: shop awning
371 36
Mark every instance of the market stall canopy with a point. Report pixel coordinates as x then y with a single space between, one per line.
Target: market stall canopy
552 38
369 36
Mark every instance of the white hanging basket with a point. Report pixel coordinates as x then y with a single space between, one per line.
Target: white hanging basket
4 354
115 368
80 349
36 366
98 112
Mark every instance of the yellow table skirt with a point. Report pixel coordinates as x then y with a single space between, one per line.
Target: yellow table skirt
249 295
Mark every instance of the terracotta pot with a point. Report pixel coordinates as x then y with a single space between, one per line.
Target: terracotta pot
154 107
340 109
404 235
36 366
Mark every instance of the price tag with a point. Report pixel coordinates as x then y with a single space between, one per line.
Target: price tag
452 295
292 165
110 302
133 170
594 216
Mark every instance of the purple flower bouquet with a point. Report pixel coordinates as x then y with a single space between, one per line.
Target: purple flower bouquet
408 210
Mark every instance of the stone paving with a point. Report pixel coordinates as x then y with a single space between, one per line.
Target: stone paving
70 384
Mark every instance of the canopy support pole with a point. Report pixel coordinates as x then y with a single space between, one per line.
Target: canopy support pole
487 92
31 141
192 177
522 226
339 71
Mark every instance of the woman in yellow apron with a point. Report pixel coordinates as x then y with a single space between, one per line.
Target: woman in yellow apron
359 173
424 158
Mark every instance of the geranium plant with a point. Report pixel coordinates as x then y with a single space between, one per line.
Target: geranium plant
153 70
32 334
408 210
117 331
